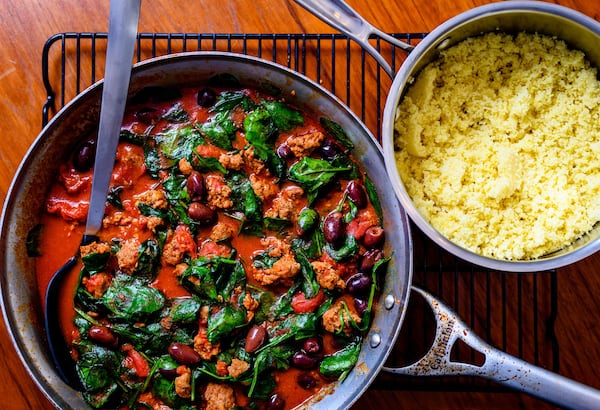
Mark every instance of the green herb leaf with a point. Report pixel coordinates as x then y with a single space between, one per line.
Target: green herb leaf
224 321
32 244
96 367
283 115
95 262
219 130
179 142
348 249
114 197
149 259
129 298
336 131
374 198
313 174
176 114
339 364
228 100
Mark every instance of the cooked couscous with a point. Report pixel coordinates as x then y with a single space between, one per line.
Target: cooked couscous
498 144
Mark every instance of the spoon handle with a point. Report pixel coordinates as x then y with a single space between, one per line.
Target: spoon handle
124 15
122 31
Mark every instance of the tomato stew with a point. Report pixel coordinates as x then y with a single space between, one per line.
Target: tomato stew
239 257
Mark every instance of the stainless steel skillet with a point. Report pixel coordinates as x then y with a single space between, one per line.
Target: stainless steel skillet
578 31
24 205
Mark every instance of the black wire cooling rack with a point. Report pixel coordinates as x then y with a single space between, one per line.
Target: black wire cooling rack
514 313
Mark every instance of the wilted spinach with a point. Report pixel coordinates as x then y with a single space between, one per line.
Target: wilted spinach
211 277
225 320
261 131
176 143
336 131
339 364
130 298
219 130
313 174
176 114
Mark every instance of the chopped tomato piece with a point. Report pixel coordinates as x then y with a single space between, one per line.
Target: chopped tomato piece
365 219
301 304
137 362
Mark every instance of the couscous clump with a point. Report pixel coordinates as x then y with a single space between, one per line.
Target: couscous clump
498 144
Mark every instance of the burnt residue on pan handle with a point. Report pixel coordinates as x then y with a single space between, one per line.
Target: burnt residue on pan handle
340 15
498 366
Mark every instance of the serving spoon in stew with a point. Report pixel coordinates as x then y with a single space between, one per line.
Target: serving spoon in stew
122 31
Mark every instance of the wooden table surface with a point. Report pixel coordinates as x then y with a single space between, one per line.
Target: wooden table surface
26 24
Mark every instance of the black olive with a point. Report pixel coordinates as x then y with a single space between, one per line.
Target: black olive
84 157
206 97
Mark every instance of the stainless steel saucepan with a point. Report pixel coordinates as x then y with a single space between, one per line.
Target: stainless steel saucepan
25 203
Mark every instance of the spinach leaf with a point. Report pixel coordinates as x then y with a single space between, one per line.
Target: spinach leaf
312 247
348 249
205 276
33 241
263 260
176 114
276 224
148 260
164 389
230 279
152 160
96 366
100 399
219 130
283 115
246 201
176 189
185 310
95 262
262 384
179 142
228 100
336 131
374 198
260 131
299 326
179 199
224 321
313 174
114 197
309 285
131 299
132 138
340 363
207 164
269 307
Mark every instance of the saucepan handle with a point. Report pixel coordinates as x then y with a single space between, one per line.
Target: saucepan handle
498 366
341 16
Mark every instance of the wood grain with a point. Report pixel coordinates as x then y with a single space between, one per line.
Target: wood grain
27 24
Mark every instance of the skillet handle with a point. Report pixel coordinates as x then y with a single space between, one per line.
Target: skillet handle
341 16
498 366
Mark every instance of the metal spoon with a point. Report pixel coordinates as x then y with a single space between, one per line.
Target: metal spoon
122 31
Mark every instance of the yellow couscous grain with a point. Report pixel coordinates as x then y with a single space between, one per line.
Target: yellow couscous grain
498 145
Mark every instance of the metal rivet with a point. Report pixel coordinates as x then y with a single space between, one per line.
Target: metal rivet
375 340
389 301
